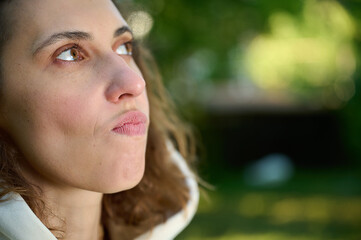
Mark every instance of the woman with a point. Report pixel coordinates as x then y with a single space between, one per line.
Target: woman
87 135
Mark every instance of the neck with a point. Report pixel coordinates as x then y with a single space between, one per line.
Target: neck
77 212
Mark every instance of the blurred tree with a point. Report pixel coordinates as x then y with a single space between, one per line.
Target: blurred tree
307 49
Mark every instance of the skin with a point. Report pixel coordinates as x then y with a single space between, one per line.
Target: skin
61 113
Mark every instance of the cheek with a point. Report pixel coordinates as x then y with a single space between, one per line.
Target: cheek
40 102
70 114
43 122
48 122
54 116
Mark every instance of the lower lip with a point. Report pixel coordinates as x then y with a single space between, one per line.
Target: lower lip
134 124
131 129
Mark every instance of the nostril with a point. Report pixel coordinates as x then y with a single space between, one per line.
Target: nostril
124 96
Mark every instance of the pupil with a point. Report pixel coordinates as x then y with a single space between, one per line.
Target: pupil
74 53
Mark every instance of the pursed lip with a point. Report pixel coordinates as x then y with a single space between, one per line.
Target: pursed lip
132 123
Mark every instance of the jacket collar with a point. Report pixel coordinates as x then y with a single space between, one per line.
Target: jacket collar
18 221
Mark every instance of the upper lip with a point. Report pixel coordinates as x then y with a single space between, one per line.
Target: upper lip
131 117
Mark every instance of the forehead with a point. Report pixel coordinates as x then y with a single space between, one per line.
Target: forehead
39 17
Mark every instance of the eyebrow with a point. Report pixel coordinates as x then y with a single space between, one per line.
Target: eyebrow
122 30
74 35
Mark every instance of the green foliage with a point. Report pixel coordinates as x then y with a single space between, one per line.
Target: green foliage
183 26
200 43
309 55
207 42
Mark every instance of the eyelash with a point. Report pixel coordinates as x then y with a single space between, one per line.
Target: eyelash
82 55
67 48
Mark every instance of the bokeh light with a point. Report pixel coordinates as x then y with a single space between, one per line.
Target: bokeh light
141 23
308 56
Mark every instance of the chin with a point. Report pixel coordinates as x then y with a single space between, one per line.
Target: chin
118 181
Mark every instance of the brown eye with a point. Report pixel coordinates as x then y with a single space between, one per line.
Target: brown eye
71 54
74 53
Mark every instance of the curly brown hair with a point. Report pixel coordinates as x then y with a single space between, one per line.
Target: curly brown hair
162 191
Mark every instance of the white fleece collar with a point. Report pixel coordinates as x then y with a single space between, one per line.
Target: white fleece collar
18 221
174 225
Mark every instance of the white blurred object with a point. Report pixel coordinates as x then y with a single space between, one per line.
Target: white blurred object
141 23
273 169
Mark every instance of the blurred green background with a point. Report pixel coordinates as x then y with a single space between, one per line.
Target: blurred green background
273 88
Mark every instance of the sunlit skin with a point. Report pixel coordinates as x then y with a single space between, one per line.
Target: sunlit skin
60 103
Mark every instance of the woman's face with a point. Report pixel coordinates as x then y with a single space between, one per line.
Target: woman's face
73 99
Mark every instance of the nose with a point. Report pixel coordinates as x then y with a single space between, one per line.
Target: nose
125 81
